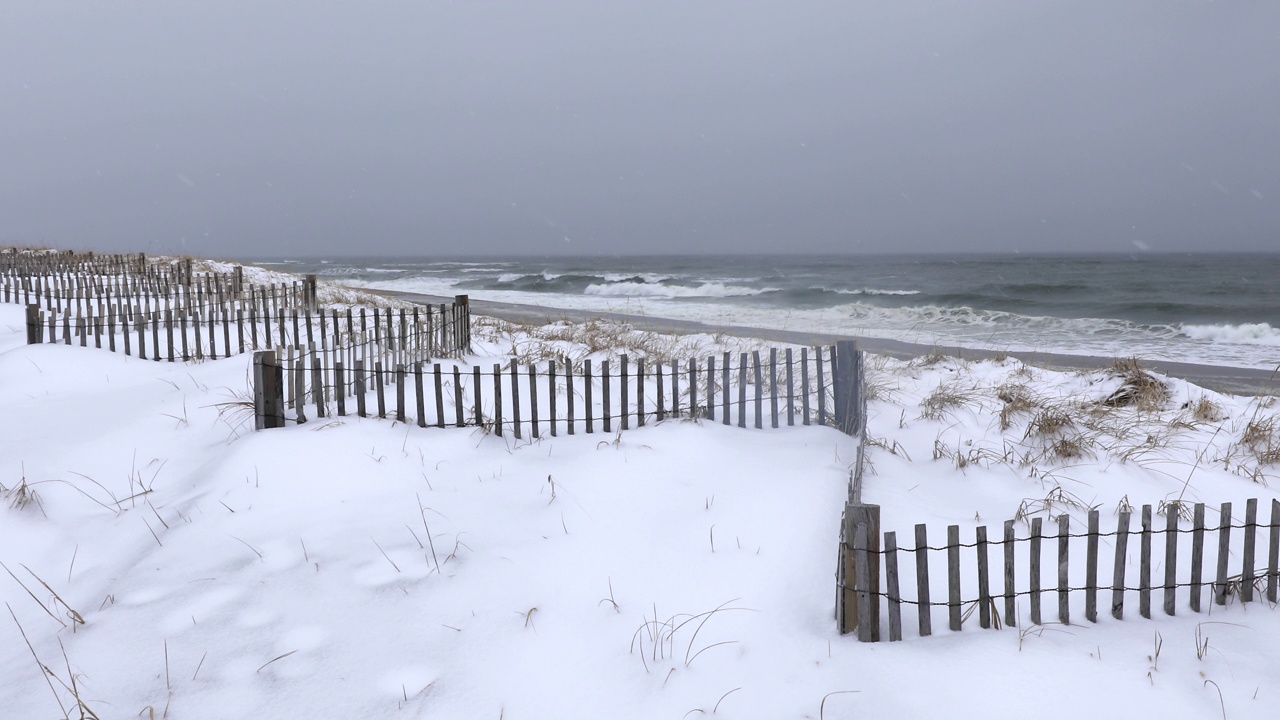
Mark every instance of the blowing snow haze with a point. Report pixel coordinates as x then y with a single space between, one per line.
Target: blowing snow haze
270 128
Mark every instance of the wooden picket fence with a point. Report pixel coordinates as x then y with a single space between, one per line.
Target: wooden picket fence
967 587
165 311
310 361
812 386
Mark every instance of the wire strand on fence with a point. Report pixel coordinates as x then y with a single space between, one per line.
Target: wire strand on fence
1113 533
1235 579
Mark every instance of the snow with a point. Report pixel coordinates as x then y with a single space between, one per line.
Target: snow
363 568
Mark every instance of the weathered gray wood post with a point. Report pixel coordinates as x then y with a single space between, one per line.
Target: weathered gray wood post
867 631
984 580
925 609
1273 552
34 325
1250 540
268 391
1170 560
848 391
954 617
1010 593
1091 570
1144 566
1197 555
860 603
463 305
1064 547
1224 554
1033 570
891 586
310 297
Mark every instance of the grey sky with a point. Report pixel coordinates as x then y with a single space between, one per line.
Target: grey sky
254 128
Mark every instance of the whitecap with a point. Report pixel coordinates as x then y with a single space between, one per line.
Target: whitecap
627 277
658 290
1244 334
874 291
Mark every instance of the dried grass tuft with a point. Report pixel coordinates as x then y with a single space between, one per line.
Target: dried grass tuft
1057 430
1261 437
945 398
1139 389
1017 399
1057 499
1050 422
929 359
1204 410
21 495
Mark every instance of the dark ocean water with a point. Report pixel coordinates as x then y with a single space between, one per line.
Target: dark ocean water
1217 309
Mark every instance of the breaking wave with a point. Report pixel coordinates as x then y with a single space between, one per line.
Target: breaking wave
872 291
661 290
1245 334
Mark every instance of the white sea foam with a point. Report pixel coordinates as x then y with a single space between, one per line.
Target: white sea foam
420 285
512 277
461 264
875 291
625 277
1240 345
1245 334
658 290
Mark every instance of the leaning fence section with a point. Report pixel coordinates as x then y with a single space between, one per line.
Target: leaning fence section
1051 572
762 389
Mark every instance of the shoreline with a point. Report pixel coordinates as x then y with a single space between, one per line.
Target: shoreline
1224 379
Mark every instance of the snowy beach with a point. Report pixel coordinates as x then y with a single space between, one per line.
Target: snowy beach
173 561
663 360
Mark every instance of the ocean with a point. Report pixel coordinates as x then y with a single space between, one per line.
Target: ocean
1212 309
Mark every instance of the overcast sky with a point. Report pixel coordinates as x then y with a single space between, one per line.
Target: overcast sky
261 128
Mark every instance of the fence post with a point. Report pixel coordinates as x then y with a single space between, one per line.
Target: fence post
857 565
848 392
268 398
953 577
310 297
1250 538
463 303
867 631
1117 577
1033 569
1171 559
1010 594
891 586
1144 566
1273 551
924 609
1064 546
1091 570
1197 555
34 326
984 579
1224 553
